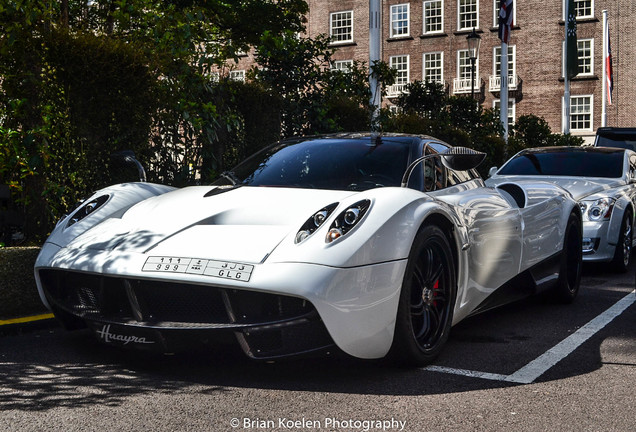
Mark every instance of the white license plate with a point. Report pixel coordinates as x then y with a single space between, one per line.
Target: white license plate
220 269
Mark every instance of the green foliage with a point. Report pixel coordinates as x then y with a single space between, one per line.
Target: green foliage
532 131
81 81
315 98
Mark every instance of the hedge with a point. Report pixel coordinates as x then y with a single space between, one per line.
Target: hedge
18 293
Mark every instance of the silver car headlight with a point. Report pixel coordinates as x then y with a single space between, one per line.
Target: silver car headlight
314 222
346 220
600 209
87 208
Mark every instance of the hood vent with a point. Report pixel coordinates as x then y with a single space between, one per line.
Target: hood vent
221 189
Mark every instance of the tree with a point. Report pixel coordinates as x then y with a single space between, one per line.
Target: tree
81 79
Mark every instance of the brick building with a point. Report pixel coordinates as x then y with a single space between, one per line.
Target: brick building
426 39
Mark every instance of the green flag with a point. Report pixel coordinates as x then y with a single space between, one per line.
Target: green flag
572 54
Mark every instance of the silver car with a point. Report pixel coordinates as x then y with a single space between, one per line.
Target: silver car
601 179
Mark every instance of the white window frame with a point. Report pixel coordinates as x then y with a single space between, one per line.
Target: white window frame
342 65
495 79
495 7
392 22
578 17
332 15
512 109
441 16
590 113
459 15
590 58
563 54
441 66
237 75
512 48
400 80
466 65
462 83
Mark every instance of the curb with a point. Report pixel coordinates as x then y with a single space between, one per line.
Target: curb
27 324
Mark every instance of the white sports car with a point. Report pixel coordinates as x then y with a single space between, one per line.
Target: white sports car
373 244
602 179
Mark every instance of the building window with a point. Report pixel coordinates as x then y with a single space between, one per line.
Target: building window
511 60
342 65
586 56
495 79
468 14
581 113
341 27
433 16
401 65
584 8
400 20
433 67
463 65
462 84
497 6
511 109
237 75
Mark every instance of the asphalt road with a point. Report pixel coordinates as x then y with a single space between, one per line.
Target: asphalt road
531 366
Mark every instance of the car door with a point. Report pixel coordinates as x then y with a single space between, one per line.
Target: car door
493 223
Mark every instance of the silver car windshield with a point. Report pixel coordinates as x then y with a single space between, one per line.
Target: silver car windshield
566 163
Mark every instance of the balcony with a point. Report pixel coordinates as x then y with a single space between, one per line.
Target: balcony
462 85
494 84
396 90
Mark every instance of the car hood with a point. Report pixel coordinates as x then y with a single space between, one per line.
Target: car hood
235 223
579 187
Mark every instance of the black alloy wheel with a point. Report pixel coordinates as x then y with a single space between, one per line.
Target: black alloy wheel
623 252
567 287
425 311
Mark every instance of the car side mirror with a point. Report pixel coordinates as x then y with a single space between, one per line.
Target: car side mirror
462 158
492 171
455 158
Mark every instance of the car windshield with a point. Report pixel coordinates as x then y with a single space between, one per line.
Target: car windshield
618 140
337 164
566 163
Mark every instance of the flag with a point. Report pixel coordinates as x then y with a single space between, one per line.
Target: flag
609 76
572 54
505 19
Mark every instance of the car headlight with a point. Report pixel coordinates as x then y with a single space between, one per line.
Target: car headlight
87 208
600 209
346 220
314 222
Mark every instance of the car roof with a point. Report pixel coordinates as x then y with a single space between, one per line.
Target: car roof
617 132
566 149
361 136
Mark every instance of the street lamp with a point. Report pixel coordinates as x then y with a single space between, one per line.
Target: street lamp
473 49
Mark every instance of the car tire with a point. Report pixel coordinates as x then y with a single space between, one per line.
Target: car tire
427 299
623 252
571 264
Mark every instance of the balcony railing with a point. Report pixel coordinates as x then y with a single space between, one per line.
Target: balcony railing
396 90
462 85
494 84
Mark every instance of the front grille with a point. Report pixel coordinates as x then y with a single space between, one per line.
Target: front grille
167 304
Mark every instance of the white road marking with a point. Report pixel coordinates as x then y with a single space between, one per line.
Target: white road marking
540 365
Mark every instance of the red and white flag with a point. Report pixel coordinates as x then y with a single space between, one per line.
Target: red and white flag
505 19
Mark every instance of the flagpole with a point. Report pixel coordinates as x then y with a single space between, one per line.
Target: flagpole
605 53
375 48
503 93
566 90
